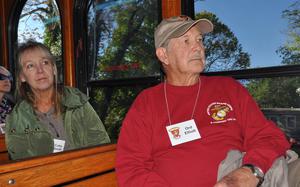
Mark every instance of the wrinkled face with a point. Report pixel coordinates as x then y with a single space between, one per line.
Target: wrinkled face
37 70
5 84
186 53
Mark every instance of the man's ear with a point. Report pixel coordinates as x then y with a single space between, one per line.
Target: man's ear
161 54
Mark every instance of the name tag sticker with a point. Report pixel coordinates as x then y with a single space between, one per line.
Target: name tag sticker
59 145
2 128
183 132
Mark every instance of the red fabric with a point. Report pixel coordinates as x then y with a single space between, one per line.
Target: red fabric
145 156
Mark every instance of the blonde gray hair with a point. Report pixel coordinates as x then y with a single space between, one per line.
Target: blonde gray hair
24 90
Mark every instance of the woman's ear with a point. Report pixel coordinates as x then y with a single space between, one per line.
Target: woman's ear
162 55
22 77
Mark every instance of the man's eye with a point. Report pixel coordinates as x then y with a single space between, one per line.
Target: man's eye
186 41
200 39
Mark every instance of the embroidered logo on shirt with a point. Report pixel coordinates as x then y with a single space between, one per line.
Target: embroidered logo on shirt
219 112
175 132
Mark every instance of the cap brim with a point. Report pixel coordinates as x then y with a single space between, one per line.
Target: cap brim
204 25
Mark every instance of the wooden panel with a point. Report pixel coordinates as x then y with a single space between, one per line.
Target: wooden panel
2 144
53 158
6 8
3 21
171 8
3 151
60 168
68 43
105 180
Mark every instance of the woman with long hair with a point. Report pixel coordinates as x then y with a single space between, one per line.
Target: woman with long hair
48 118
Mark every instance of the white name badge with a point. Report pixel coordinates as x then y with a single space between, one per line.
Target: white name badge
2 128
183 132
59 145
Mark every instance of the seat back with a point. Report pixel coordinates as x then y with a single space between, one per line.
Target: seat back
86 167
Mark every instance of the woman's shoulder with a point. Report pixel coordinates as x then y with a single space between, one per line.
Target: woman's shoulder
73 97
21 111
22 106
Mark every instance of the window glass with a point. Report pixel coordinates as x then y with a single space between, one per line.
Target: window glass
120 39
40 21
251 33
279 99
112 104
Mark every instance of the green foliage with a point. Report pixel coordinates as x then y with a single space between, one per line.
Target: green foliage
290 52
282 92
289 56
276 92
292 14
44 16
113 104
223 51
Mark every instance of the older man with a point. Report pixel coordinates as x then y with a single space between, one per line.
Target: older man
178 132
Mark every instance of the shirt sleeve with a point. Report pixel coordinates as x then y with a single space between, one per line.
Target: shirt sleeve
134 162
263 140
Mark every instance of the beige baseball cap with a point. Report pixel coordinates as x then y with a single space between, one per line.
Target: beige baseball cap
175 27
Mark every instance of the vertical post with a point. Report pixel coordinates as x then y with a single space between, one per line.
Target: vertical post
171 8
3 21
68 43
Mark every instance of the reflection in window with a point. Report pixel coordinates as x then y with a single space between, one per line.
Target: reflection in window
279 100
112 104
243 40
120 39
40 21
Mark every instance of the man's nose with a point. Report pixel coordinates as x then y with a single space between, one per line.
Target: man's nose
198 46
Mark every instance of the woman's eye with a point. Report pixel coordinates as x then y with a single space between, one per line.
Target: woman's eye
29 66
46 62
186 41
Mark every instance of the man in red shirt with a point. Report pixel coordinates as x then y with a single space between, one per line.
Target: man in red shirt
178 132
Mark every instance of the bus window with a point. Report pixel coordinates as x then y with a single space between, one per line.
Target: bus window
112 104
279 100
120 56
120 39
40 21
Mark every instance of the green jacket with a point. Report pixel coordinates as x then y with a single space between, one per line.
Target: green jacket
26 136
